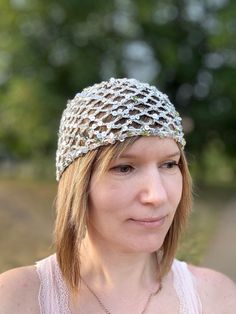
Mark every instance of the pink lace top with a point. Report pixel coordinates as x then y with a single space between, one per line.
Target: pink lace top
54 296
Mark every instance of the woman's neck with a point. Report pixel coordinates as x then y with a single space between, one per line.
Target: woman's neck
111 268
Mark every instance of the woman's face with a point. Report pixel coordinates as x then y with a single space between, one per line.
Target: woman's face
132 205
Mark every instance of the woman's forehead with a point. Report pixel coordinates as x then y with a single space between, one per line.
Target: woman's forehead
151 145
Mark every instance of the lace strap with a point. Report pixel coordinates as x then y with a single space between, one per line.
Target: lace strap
53 294
185 286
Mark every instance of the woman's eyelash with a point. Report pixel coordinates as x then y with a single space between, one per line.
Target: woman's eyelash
171 164
122 168
126 168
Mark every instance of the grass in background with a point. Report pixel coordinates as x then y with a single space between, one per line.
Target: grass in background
209 205
26 221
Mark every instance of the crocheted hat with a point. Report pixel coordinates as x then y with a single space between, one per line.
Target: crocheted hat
113 111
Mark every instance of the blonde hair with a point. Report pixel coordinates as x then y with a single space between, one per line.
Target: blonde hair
72 210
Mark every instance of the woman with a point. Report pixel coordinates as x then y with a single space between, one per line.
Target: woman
124 196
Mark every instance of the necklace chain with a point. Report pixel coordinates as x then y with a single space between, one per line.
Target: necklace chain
105 308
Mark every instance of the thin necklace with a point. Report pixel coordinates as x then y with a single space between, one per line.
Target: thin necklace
105 308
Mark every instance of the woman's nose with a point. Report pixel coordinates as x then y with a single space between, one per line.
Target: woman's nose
153 190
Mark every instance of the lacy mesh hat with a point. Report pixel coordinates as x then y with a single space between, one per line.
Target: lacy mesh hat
112 111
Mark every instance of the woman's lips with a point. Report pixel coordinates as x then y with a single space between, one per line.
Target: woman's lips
149 222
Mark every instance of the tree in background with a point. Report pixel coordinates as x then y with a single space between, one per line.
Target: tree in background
49 50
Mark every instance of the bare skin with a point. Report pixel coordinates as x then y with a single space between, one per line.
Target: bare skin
118 247
19 290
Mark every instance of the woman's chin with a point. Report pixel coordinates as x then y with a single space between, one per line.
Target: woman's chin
148 247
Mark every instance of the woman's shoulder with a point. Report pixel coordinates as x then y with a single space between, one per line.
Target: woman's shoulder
19 290
217 291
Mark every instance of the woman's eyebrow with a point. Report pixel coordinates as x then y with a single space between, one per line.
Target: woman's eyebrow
176 154
130 155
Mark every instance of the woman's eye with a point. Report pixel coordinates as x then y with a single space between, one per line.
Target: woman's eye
171 165
122 168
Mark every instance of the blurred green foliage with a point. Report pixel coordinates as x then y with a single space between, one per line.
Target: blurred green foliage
49 50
